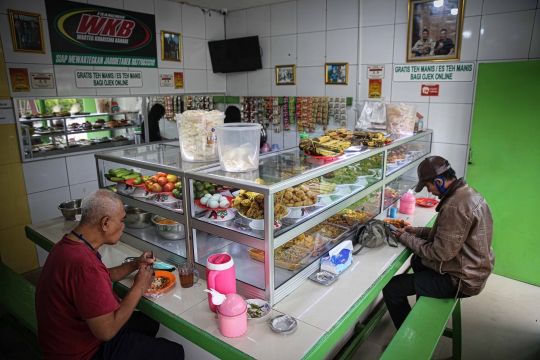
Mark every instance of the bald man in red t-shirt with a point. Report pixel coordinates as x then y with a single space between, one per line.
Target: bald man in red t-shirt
79 316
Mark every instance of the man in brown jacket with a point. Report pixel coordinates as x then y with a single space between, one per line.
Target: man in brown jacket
454 258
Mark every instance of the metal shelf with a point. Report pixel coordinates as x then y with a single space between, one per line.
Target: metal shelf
24 120
102 129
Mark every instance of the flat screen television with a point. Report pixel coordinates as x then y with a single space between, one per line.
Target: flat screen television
234 55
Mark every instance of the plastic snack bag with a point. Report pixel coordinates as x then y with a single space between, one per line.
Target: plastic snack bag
373 115
400 118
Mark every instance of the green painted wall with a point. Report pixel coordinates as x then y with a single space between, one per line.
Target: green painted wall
506 163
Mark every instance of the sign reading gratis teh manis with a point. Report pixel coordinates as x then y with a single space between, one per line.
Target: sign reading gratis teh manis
434 72
84 34
107 79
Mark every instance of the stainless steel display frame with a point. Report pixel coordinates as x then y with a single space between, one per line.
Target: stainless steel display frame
269 243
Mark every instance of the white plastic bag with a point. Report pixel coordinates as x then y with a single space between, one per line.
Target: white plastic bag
400 118
373 115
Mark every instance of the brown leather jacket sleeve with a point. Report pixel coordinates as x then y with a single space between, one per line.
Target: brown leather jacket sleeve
452 231
422 232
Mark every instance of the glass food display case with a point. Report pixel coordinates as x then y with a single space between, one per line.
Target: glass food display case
276 222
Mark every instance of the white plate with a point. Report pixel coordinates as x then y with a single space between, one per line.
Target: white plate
259 224
218 216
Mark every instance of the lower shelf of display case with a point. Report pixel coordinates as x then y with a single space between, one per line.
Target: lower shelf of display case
77 149
149 235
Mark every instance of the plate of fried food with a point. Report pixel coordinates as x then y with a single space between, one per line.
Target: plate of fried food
400 224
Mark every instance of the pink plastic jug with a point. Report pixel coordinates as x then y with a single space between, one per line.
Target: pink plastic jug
407 203
220 276
232 316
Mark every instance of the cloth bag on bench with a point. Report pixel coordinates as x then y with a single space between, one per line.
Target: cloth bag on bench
373 235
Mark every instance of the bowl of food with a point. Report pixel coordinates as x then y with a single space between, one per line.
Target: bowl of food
70 208
137 218
258 311
168 229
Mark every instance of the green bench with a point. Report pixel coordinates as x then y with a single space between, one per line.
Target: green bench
17 300
419 335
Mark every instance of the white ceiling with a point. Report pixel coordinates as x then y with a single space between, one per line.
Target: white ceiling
230 5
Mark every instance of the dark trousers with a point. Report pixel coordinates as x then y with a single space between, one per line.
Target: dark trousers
424 282
137 340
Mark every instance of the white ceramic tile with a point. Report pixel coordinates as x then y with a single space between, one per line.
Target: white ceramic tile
502 6
290 138
311 15
150 81
402 11
237 84
11 56
142 6
400 43
312 49
341 14
45 175
195 81
450 122
81 168
342 46
259 82
512 289
117 4
33 68
35 6
283 18
455 154
380 38
193 22
377 12
258 21
407 92
535 41
283 90
469 38
168 17
310 81
506 36
194 56
169 89
215 27
216 82
386 83
277 139
236 24
65 80
454 92
473 7
265 44
348 90
351 116
44 205
283 50
77 190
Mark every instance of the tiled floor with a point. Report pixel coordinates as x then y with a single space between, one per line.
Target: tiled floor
503 322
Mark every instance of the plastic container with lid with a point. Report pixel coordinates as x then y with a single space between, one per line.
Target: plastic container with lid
239 146
407 203
197 134
232 313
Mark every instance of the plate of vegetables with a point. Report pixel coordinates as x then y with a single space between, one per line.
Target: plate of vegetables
258 311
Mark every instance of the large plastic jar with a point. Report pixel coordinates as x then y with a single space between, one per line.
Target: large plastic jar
239 146
197 134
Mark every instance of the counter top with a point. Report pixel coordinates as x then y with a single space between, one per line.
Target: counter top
186 311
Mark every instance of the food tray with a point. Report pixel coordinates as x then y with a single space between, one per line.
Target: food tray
313 243
256 254
346 221
292 258
400 224
323 277
319 230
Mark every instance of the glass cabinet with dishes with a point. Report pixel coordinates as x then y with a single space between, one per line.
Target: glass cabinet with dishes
276 222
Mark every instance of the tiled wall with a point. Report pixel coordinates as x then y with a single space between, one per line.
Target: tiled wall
307 33
493 30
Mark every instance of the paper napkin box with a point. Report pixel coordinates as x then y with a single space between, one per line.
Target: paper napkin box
338 259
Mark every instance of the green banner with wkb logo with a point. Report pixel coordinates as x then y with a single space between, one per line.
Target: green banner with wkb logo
83 34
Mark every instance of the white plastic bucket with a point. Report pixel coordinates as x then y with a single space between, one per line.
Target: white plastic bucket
238 146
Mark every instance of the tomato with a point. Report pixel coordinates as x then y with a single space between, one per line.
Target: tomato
172 178
156 188
149 183
154 178
160 174
169 187
162 180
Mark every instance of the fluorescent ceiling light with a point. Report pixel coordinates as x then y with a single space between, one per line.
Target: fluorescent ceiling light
438 3
454 11
467 34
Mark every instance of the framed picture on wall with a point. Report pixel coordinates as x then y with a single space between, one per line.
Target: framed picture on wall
337 73
26 32
434 30
286 75
171 43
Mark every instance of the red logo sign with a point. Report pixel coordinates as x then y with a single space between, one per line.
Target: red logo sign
429 90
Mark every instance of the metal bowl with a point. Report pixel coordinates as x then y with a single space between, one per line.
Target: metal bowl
70 208
169 232
137 218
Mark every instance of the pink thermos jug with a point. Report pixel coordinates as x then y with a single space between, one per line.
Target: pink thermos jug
407 203
220 276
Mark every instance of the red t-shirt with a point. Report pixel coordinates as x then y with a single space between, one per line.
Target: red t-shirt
74 286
